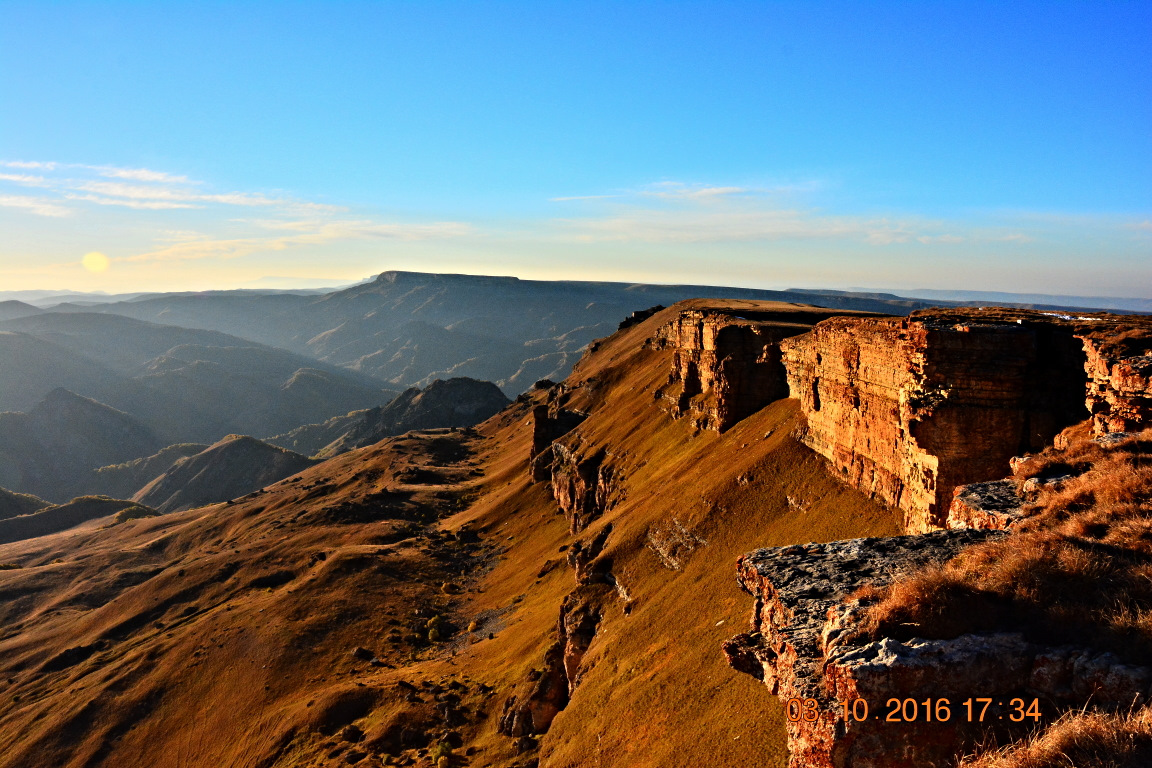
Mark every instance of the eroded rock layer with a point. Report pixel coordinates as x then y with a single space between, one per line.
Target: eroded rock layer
909 409
802 645
1119 368
726 362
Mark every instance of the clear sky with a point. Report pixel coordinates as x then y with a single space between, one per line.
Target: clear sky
990 146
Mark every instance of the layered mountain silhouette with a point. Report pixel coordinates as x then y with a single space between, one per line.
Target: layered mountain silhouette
459 402
186 385
50 450
408 328
12 309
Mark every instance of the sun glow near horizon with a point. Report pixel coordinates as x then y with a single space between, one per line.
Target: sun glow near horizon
95 262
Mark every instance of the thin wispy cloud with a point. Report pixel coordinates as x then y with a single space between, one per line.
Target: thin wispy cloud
580 197
168 199
141 174
37 206
186 246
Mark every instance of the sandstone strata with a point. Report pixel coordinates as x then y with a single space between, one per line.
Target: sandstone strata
726 363
909 409
550 422
1119 393
802 646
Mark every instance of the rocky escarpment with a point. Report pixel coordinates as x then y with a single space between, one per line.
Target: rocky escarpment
914 693
726 362
1119 368
550 422
909 409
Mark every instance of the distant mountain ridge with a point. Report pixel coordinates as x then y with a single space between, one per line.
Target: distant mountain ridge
188 385
409 328
50 450
458 402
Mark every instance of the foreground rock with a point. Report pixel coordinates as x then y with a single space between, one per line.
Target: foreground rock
855 703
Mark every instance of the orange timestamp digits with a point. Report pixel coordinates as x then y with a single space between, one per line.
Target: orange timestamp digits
973 710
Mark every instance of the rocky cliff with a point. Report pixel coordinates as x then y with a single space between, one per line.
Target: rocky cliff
726 361
909 409
1119 366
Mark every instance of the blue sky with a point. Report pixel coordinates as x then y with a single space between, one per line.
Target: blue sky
989 146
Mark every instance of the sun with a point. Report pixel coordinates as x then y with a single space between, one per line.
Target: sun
95 262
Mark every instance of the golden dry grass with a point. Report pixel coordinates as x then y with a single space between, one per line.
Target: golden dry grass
1079 571
1079 740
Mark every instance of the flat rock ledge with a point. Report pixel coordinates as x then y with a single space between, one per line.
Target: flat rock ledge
798 646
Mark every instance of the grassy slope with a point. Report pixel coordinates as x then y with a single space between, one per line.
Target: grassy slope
656 690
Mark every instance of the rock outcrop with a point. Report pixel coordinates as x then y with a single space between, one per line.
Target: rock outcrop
994 505
727 363
1119 369
584 483
550 422
803 647
909 409
552 686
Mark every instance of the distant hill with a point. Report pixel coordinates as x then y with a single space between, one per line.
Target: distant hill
458 402
123 480
50 450
12 309
64 516
187 385
233 467
15 504
409 328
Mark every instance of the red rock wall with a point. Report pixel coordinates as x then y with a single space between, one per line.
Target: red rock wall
909 409
1119 394
726 364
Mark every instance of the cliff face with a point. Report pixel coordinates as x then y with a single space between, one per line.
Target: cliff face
907 410
726 363
1119 393
801 647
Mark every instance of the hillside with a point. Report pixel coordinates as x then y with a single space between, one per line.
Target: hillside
14 504
395 597
458 402
50 450
61 517
125 479
232 467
